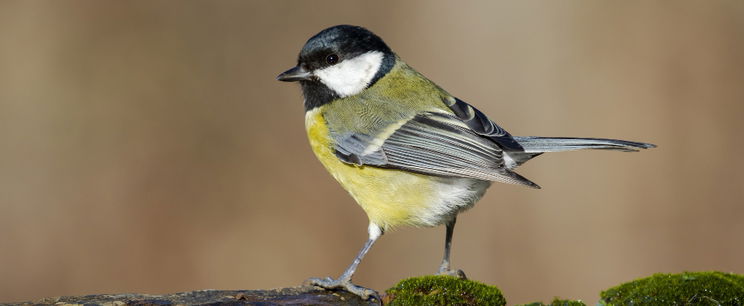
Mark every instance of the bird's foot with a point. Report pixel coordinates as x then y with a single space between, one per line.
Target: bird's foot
456 273
345 284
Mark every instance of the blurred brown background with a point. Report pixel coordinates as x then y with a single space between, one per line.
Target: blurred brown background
146 147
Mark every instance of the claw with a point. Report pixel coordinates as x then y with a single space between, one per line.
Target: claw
456 273
345 284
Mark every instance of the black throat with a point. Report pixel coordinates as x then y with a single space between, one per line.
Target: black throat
317 94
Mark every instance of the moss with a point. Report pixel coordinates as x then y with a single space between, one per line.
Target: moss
557 302
689 288
442 290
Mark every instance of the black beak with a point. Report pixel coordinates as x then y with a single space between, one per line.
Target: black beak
295 74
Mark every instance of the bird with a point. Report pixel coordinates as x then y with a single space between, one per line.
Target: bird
407 151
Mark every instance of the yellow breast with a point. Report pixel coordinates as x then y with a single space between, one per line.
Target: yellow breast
389 197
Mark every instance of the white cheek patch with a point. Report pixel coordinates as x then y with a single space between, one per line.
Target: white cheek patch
353 75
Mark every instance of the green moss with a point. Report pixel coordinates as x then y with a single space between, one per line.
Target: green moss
689 288
557 302
442 290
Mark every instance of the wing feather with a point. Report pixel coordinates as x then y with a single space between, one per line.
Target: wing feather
432 143
481 124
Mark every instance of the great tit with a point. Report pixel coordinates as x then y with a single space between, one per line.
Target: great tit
406 150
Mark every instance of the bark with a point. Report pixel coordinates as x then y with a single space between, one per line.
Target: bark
305 295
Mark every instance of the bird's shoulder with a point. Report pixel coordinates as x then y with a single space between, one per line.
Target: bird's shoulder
400 95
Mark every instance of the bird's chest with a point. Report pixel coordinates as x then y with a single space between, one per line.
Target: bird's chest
392 197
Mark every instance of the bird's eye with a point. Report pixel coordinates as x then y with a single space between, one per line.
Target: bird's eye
332 59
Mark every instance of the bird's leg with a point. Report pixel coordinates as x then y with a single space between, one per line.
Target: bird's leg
444 268
344 281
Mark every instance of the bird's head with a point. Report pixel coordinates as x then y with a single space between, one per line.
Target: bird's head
338 62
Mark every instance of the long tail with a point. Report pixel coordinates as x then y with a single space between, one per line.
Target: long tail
534 146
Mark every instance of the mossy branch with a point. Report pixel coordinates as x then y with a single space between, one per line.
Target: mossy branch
689 288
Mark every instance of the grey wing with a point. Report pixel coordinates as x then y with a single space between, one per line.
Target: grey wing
431 143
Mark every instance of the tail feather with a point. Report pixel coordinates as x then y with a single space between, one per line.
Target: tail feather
532 144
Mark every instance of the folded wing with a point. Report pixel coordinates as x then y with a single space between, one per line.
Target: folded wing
431 143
